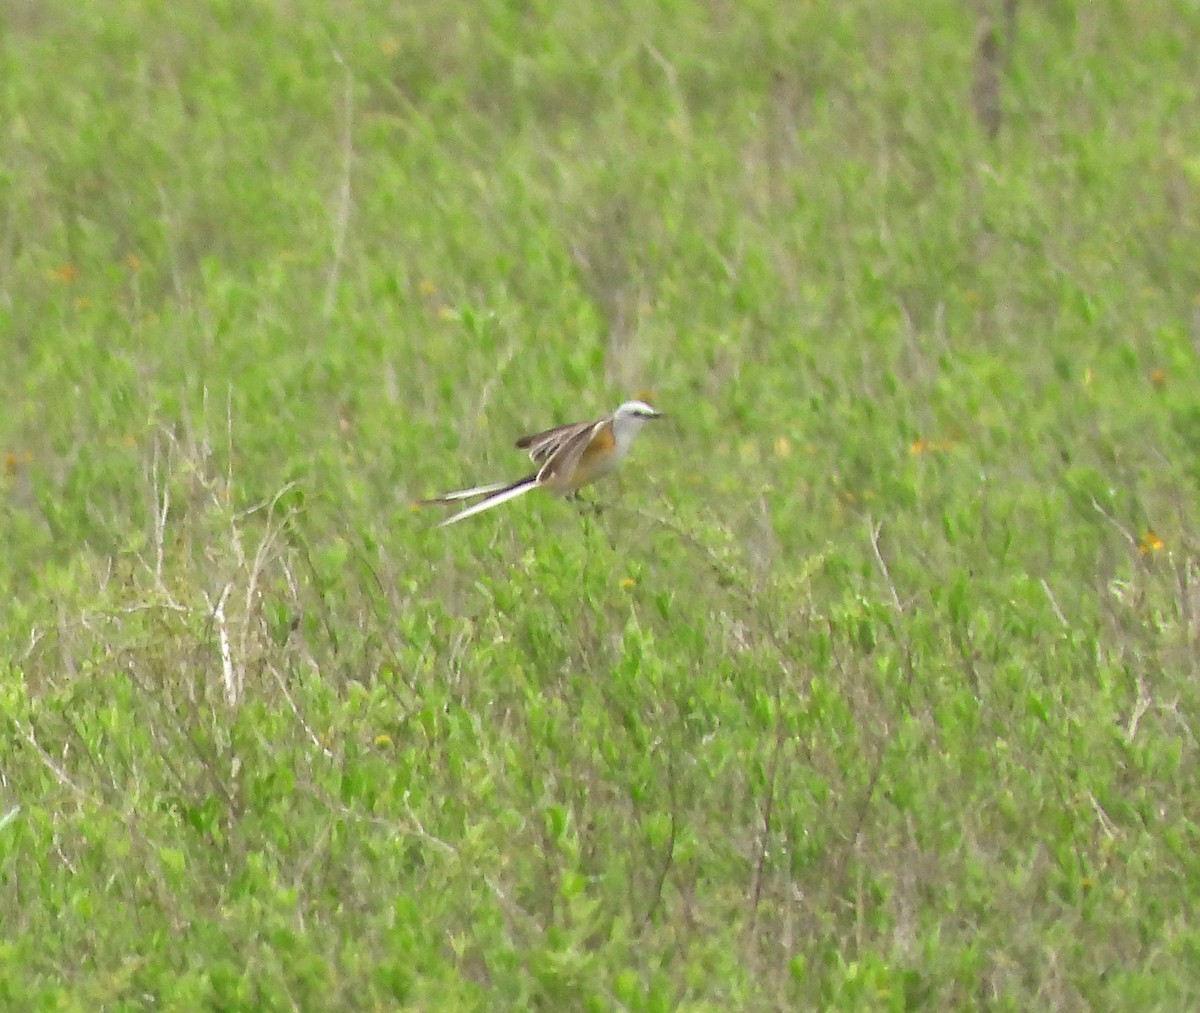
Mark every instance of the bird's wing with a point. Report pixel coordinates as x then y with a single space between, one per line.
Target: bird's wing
565 457
544 445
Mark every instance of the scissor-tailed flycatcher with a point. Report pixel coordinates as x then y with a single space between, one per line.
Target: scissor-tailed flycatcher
568 458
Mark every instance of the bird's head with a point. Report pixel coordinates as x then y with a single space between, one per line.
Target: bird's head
637 411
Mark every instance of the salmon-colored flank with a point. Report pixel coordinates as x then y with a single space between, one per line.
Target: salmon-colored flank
601 443
593 462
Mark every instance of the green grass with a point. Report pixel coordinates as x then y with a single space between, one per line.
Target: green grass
874 686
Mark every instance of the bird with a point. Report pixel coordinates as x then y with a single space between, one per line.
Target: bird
568 458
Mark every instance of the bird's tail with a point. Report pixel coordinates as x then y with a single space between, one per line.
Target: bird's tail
454 497
495 495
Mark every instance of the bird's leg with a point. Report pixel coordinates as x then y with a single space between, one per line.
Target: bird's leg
586 506
589 514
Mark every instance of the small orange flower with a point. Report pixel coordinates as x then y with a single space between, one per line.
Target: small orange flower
1158 377
918 447
133 262
64 274
627 583
12 461
1150 543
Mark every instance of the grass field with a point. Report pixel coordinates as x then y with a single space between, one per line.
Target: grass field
874 685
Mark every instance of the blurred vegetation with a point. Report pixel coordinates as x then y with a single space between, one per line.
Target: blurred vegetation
872 686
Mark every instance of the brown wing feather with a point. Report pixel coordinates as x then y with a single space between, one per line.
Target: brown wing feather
566 456
542 446
528 441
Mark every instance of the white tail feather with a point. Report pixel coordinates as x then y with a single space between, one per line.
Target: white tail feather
479 490
502 496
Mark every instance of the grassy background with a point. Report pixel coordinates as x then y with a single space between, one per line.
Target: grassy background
875 686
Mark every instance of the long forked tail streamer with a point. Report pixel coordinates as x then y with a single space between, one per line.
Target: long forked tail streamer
502 496
460 494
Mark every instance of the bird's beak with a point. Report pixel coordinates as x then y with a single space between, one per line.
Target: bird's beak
659 415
